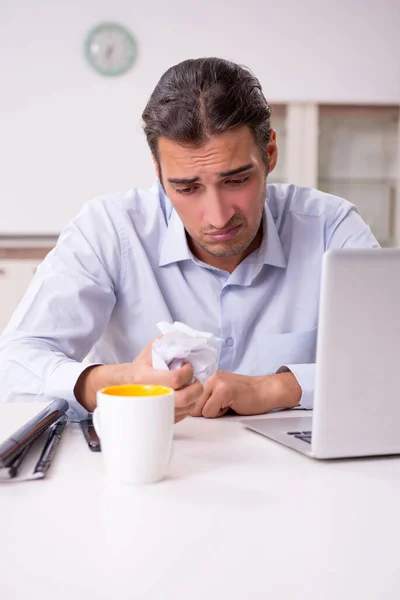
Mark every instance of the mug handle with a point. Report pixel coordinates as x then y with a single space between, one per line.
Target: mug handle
96 421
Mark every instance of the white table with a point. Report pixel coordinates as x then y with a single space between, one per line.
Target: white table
239 516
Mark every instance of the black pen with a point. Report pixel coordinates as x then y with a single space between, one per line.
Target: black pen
50 447
12 447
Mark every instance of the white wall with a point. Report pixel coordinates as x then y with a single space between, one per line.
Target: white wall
68 134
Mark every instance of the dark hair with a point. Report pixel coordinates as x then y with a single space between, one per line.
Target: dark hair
198 98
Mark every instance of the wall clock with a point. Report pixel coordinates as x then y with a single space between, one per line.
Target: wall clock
110 49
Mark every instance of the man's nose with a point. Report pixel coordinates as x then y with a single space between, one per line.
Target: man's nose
217 213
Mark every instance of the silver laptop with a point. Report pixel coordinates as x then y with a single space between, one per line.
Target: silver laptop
357 392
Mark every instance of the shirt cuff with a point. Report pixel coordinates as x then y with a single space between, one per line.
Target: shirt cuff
61 384
305 375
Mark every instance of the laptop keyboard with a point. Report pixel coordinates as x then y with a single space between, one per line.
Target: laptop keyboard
305 436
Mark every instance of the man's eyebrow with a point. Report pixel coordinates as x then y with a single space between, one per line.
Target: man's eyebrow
235 171
179 181
183 181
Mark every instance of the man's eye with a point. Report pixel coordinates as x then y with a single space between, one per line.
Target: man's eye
237 182
185 191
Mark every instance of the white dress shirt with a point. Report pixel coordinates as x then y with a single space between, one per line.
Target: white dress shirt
124 264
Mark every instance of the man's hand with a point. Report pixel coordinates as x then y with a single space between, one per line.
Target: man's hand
140 371
247 395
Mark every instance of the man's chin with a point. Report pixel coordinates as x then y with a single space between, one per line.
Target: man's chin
224 249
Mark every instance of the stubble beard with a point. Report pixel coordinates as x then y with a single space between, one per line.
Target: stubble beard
229 249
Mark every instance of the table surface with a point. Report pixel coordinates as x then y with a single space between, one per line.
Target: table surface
238 516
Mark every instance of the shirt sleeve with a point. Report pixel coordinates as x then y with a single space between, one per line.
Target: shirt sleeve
63 313
345 230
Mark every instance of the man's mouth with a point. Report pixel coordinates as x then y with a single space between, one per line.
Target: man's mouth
224 234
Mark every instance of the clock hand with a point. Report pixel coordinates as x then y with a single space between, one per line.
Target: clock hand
109 52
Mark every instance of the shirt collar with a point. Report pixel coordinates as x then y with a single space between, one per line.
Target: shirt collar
271 252
174 247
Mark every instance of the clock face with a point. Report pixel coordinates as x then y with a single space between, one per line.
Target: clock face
110 49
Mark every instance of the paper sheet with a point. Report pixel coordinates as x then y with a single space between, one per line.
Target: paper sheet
181 344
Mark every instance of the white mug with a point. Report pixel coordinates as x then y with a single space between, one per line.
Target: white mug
135 427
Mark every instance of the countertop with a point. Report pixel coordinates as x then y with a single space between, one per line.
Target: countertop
26 247
238 516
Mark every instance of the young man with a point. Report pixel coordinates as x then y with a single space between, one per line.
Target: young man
211 245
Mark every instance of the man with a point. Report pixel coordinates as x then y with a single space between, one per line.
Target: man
210 245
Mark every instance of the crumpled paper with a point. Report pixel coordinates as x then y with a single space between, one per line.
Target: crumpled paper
180 344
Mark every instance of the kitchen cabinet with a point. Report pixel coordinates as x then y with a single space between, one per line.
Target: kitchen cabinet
351 151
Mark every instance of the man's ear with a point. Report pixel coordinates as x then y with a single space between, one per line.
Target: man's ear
272 151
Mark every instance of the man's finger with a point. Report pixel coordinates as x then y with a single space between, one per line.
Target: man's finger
197 410
188 396
146 353
181 377
174 379
186 399
215 406
211 407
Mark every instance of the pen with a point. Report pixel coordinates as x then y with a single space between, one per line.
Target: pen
50 447
11 448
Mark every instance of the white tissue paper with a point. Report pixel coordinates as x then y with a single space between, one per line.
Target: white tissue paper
180 344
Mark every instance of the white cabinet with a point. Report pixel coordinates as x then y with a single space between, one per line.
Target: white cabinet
279 124
358 161
15 276
350 151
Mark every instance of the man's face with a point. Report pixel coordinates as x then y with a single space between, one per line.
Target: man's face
218 191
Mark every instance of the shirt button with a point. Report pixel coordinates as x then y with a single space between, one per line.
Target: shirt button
229 341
